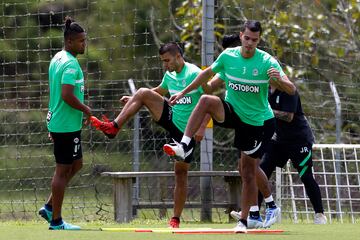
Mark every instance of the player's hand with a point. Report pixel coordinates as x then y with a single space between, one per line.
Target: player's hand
124 99
198 137
175 97
50 137
274 74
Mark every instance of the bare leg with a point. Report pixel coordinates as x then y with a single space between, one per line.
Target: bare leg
247 169
180 191
262 182
143 97
62 176
75 167
207 104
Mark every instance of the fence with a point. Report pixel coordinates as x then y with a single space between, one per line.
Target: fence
123 39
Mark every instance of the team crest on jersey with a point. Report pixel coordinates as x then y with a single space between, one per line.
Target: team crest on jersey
82 88
255 72
184 83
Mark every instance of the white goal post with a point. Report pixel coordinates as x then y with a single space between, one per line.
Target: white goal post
336 169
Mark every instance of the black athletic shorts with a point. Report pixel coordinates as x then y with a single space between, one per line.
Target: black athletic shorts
248 138
166 122
67 147
269 130
278 154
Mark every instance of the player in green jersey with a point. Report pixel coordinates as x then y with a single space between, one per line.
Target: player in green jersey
179 74
248 72
64 120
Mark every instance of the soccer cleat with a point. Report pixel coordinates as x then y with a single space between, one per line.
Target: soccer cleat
64 226
320 218
253 223
240 227
46 214
235 215
174 222
176 149
271 215
110 129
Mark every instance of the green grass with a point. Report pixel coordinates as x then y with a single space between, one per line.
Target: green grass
38 231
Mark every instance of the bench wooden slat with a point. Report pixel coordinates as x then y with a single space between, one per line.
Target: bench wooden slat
169 174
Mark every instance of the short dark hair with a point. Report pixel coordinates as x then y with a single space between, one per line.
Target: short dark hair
252 25
71 27
232 40
172 48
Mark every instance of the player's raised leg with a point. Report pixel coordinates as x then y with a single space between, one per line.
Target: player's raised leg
149 98
207 104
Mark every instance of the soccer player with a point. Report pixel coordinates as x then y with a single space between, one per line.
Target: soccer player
64 120
293 140
179 74
254 220
248 72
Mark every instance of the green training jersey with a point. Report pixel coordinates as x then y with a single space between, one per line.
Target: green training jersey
175 82
247 83
269 112
64 69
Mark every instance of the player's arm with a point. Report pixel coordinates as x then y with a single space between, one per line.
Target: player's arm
281 82
284 116
67 94
160 90
199 80
215 83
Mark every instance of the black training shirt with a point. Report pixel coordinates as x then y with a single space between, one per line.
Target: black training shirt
298 130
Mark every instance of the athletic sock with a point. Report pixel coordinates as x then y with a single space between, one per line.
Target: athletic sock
115 124
48 207
243 222
269 201
186 140
254 212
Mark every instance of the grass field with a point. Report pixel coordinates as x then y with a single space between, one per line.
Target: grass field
38 231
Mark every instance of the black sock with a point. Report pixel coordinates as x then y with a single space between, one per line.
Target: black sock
115 124
48 207
243 221
271 204
56 222
255 214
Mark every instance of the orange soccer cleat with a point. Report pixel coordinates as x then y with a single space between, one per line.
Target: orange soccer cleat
174 222
110 129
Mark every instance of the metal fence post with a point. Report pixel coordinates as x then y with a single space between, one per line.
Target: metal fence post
206 148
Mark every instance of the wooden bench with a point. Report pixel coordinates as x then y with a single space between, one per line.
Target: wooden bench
123 193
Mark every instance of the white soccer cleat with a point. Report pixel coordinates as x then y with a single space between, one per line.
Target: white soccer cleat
235 215
271 215
320 218
177 149
240 228
253 223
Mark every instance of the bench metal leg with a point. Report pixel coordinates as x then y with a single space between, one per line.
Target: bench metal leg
123 199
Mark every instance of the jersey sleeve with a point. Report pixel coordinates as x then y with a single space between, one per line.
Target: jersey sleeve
70 73
218 65
289 103
221 75
164 82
